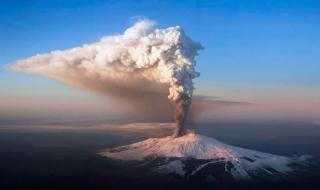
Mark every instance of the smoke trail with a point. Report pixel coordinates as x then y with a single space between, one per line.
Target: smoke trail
181 110
143 60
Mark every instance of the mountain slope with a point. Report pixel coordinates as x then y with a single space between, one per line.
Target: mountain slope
239 162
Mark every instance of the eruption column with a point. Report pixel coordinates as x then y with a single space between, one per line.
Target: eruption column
181 110
142 60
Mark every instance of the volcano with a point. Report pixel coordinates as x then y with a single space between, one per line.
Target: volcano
194 154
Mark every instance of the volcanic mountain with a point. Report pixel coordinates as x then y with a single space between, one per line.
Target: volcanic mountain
194 154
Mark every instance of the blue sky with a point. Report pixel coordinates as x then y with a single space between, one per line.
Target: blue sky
249 45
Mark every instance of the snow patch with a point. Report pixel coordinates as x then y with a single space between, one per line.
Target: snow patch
175 166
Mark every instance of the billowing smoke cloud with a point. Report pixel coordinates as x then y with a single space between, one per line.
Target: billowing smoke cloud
143 61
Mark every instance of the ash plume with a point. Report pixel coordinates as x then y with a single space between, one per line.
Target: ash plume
180 115
143 60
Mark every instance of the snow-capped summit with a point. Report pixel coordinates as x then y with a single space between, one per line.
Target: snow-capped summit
239 162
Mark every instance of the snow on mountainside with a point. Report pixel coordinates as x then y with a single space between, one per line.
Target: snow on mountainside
244 162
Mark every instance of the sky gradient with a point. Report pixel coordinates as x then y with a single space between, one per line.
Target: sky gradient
264 53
